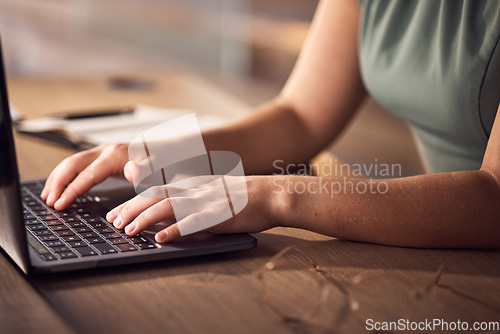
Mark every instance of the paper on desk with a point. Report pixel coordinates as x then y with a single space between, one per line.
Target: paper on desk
126 133
121 128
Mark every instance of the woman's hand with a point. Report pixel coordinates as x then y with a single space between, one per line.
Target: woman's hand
201 208
81 171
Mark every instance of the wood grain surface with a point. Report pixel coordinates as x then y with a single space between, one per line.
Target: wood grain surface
221 293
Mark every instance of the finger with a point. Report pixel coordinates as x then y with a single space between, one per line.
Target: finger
50 188
45 191
135 206
47 186
63 174
113 213
158 212
168 234
176 230
131 171
93 174
129 210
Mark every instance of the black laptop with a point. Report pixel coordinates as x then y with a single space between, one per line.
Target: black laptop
41 239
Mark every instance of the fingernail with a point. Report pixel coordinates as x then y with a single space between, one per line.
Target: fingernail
110 216
118 221
59 202
130 228
50 199
161 236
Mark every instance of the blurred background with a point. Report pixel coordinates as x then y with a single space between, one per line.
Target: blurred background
223 39
247 47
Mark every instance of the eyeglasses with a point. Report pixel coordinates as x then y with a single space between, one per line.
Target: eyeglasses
294 271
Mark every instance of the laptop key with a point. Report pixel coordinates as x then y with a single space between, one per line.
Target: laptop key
67 255
62 249
59 227
41 211
47 217
32 222
36 227
63 213
69 238
112 235
64 233
43 232
38 209
117 241
45 238
76 244
86 251
82 229
69 219
146 246
105 229
96 240
76 224
97 223
105 248
138 240
126 247
53 222
89 235
83 212
54 243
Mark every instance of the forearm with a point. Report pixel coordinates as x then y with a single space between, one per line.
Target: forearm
460 209
274 131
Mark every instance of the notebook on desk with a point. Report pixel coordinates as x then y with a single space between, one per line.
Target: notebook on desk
89 128
41 239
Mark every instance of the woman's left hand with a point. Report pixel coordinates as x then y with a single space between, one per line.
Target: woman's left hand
201 208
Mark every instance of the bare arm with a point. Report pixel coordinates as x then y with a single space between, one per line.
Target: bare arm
459 209
322 93
447 210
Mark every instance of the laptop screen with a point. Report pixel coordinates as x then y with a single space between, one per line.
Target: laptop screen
12 232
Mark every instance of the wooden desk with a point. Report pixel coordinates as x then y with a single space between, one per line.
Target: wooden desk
220 293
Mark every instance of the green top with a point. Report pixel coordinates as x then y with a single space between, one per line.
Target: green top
436 64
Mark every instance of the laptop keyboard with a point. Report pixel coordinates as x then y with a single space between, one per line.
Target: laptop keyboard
75 232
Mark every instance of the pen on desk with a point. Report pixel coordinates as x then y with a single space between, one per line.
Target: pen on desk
94 113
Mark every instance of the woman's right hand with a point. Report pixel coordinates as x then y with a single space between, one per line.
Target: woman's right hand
81 171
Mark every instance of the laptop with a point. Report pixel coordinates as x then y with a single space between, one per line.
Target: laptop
40 239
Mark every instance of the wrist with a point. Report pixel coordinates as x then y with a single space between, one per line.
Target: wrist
280 204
